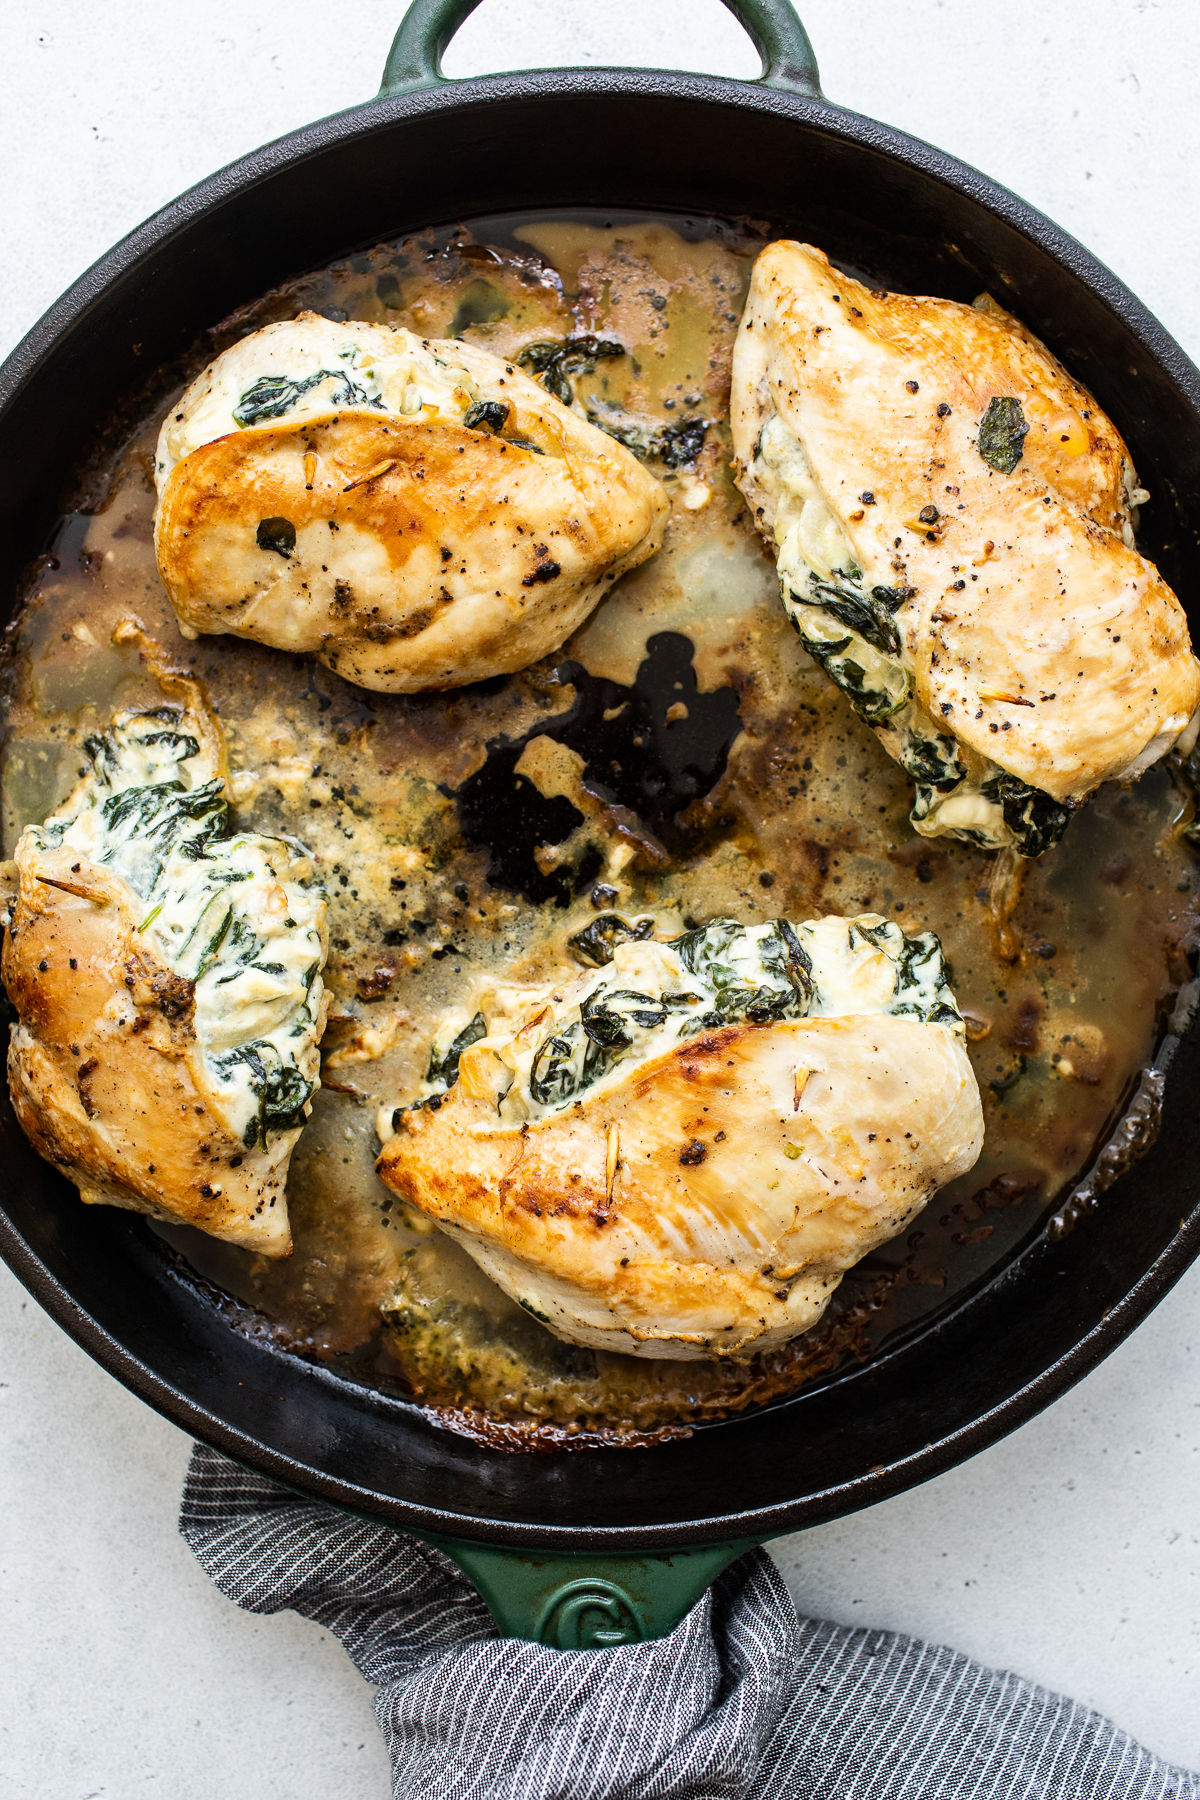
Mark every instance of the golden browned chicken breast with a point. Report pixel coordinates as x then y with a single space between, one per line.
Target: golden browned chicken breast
953 518
680 1153
416 513
167 977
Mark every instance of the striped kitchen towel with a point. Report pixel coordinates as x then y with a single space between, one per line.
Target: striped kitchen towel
743 1701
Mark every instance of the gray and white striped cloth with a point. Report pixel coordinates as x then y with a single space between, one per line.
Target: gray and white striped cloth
744 1701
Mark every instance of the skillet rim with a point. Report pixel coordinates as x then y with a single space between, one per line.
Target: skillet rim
295 147
69 314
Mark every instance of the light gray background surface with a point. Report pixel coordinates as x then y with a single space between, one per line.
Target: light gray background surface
1071 1551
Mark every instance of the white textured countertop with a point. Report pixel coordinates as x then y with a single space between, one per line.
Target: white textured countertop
1071 1551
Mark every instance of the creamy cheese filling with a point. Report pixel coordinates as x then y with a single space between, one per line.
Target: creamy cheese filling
533 1057
308 367
238 915
1135 496
858 634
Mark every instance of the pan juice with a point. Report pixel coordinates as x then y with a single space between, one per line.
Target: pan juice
680 755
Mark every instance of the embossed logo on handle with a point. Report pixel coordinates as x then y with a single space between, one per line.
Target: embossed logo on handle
589 1615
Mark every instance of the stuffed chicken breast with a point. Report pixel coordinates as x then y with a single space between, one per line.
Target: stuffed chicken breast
954 524
679 1153
416 513
167 976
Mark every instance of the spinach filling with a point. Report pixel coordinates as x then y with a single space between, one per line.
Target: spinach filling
922 989
597 941
715 976
444 1068
867 616
144 826
853 634
141 825
1035 820
279 1088
935 767
743 974
173 847
711 955
854 638
170 745
610 1019
271 396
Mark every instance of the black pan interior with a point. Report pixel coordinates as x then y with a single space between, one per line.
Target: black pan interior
888 208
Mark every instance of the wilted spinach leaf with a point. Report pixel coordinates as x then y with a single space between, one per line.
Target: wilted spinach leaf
866 616
932 763
568 1061
1035 820
445 1067
606 1016
486 415
596 942
1002 432
709 955
273 395
147 823
892 597
279 1087
555 363
783 955
276 534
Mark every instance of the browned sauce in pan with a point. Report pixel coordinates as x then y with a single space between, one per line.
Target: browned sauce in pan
680 755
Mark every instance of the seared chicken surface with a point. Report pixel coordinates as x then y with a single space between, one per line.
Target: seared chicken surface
680 1153
167 978
416 513
953 517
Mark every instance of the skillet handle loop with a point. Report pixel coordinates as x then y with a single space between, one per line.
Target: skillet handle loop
415 59
774 28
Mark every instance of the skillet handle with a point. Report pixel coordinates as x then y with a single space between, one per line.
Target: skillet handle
415 59
582 1602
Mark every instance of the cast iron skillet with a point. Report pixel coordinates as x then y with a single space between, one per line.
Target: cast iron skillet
427 151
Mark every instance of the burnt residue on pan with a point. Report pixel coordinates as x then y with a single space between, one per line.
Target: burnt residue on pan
680 755
648 752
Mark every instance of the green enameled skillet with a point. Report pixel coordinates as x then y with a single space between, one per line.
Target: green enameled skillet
606 1545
